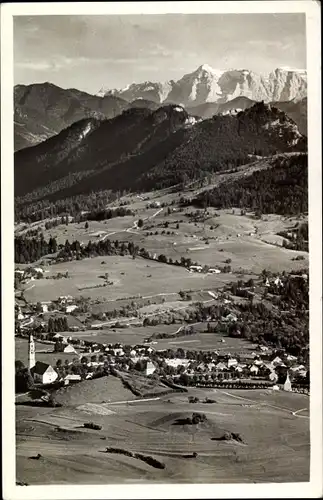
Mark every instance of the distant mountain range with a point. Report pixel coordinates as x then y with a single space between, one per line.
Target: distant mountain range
43 110
142 149
206 84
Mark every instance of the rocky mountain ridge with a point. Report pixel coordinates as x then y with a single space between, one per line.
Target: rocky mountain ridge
206 84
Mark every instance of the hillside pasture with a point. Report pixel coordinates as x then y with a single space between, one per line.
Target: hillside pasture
130 279
275 445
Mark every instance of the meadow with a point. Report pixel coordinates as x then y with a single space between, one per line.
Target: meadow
130 279
275 445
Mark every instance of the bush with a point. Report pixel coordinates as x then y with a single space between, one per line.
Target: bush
92 425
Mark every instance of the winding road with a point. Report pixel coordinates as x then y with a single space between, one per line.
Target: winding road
133 227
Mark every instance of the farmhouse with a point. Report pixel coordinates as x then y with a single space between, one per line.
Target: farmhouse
196 269
254 369
43 373
150 368
230 317
215 271
71 378
36 270
69 349
175 362
44 307
70 308
278 282
232 362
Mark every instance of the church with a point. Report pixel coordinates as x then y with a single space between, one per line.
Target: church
42 373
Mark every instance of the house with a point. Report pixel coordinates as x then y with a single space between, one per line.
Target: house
64 298
254 369
69 349
278 282
37 270
175 362
267 282
20 315
150 368
277 361
155 204
195 269
118 352
75 328
221 366
215 271
230 317
71 378
70 308
232 362
44 307
43 373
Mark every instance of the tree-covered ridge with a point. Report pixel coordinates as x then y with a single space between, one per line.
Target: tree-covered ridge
281 189
144 149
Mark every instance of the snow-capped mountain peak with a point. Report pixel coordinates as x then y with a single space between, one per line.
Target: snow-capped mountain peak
207 84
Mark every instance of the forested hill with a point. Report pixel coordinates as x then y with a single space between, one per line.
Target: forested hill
282 188
145 149
42 110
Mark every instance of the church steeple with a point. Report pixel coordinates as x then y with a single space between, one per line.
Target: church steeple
31 352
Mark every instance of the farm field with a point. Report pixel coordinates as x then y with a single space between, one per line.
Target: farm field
130 279
252 244
130 336
208 342
275 444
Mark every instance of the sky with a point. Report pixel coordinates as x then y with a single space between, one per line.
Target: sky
91 52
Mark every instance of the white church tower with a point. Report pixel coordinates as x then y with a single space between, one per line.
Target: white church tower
287 384
31 352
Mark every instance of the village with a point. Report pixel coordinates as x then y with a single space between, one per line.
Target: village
264 366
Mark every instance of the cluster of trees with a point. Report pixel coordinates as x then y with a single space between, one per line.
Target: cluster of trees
32 249
299 236
29 209
280 189
188 330
287 328
107 213
74 250
57 324
23 378
79 367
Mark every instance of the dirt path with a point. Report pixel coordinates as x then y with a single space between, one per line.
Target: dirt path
282 408
130 229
